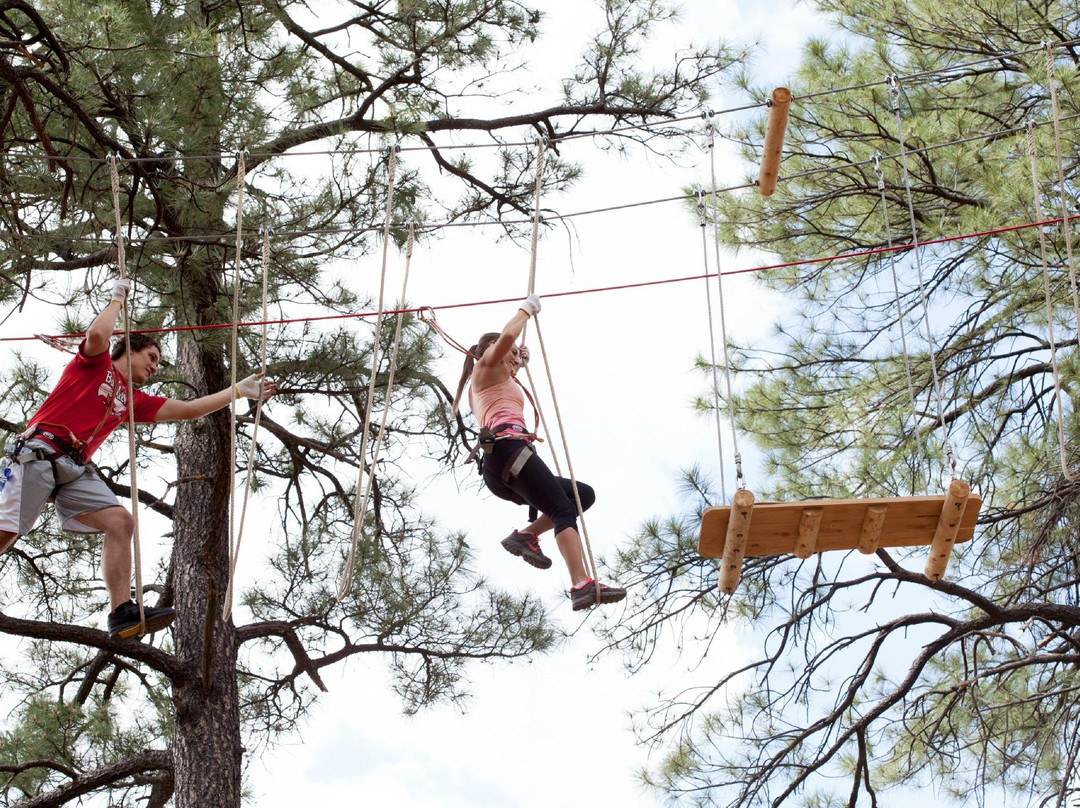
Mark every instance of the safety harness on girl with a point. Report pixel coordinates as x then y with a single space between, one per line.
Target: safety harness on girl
489 435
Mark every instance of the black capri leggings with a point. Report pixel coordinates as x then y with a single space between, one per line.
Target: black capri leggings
536 486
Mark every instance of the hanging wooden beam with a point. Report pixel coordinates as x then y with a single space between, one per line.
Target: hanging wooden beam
948 525
738 527
846 524
779 105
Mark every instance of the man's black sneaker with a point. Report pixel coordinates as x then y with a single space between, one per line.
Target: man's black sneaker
584 596
124 622
527 546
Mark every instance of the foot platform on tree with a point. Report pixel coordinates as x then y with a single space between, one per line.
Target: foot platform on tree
813 526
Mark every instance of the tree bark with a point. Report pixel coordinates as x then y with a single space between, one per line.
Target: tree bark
207 746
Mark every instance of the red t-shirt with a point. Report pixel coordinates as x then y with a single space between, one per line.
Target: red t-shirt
88 387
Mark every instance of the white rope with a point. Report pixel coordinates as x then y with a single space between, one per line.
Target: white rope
900 319
1033 155
234 550
234 540
114 181
894 87
584 532
534 249
379 440
587 544
360 503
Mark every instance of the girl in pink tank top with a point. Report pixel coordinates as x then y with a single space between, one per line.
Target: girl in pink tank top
513 471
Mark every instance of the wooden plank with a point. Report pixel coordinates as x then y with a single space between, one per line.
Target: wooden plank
908 521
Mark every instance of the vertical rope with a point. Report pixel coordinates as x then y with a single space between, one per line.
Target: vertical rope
584 533
536 218
370 484
234 539
739 483
531 286
586 543
114 181
360 506
900 318
1033 155
894 90
234 550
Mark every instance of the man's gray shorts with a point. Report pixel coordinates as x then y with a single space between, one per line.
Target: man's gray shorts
30 485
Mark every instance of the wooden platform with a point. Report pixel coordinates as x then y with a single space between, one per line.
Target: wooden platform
813 526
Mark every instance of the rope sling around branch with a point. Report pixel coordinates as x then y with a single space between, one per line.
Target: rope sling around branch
360 503
813 526
114 182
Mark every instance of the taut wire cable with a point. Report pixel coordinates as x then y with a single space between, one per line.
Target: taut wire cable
900 317
739 483
894 90
717 405
360 503
57 340
114 182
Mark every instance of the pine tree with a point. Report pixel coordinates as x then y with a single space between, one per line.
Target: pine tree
868 678
173 94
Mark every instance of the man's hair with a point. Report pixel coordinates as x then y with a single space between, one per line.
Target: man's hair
139 342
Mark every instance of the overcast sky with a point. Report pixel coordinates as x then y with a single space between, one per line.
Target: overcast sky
556 731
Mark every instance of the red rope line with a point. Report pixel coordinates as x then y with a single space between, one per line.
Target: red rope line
594 290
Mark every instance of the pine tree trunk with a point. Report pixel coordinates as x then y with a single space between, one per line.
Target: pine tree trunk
207 750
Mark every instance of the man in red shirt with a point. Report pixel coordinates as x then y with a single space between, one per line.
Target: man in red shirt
48 460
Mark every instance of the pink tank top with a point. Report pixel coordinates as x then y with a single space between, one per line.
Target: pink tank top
499 404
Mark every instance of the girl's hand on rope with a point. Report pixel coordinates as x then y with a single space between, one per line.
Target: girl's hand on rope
120 291
523 354
531 306
255 386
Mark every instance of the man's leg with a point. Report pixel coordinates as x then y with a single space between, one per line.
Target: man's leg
118 525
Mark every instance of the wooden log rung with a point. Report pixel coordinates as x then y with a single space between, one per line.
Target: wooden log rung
945 535
742 507
809 525
870 533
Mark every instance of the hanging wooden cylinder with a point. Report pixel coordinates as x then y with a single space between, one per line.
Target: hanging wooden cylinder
779 105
